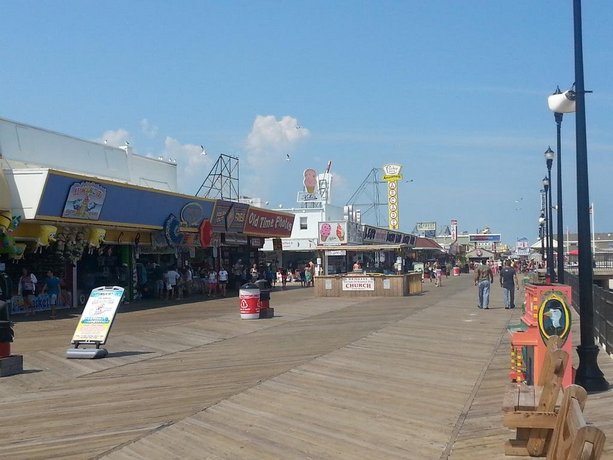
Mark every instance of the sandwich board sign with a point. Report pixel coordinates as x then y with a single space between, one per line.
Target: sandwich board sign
95 322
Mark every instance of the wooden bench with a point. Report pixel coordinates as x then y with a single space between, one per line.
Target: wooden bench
531 410
572 438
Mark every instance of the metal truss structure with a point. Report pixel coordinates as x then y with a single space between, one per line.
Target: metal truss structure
222 182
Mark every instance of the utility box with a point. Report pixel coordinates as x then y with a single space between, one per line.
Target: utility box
546 313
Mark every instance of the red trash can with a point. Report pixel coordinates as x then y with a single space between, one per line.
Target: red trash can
249 298
456 271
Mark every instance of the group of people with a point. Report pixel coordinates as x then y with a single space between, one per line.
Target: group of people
178 283
304 275
27 289
435 272
484 277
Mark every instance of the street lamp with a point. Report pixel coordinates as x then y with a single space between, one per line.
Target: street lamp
588 375
542 233
560 103
549 154
547 196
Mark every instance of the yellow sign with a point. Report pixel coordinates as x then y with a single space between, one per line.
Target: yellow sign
391 174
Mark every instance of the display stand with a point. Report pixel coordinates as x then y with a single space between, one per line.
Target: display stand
95 323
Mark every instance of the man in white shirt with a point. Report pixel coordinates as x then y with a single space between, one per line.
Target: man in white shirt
223 280
170 278
189 276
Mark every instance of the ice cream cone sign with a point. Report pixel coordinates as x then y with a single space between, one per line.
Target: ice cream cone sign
324 231
310 180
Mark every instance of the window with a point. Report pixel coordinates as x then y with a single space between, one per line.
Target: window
303 223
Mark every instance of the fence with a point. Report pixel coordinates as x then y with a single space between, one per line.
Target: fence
603 310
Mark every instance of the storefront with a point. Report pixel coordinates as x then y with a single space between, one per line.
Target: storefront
94 232
375 250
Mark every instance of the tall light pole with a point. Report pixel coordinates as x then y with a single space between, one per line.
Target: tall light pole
558 117
549 154
560 103
542 234
588 375
547 210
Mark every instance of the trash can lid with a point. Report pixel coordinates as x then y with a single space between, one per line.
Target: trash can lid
248 286
263 284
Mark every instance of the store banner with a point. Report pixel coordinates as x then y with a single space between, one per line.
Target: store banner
268 223
229 216
383 236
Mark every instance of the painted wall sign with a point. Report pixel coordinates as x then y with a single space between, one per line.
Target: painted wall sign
171 231
84 201
554 317
191 214
268 223
358 284
332 233
125 204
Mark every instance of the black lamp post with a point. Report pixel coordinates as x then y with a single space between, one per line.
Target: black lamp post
560 103
588 375
547 225
542 234
549 154
558 117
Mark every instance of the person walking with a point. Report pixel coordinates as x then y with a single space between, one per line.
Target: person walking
52 287
508 282
27 289
170 280
212 282
223 280
484 279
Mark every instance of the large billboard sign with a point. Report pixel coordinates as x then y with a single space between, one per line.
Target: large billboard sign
484 238
427 229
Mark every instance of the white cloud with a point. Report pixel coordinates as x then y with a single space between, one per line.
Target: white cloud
148 129
271 135
115 138
269 143
192 166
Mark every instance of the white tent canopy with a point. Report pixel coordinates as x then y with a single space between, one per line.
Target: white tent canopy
537 245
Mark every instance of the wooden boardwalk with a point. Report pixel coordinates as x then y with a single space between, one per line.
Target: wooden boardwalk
378 378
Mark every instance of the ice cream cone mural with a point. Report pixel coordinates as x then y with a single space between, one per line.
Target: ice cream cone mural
310 180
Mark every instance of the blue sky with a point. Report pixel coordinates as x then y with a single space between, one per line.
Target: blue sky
455 91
